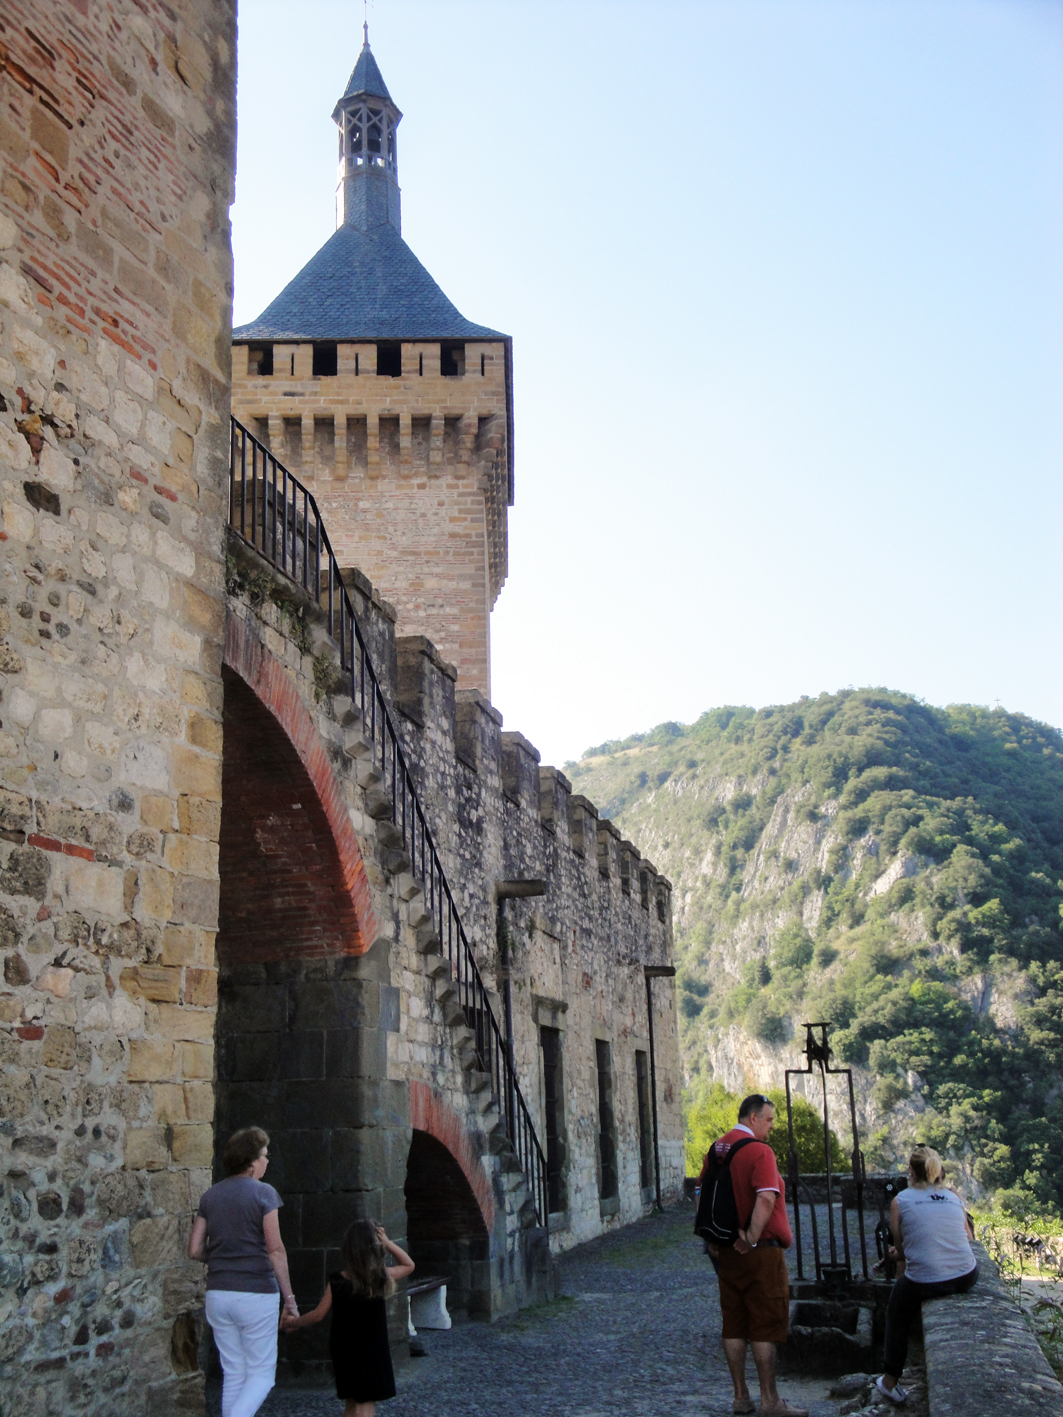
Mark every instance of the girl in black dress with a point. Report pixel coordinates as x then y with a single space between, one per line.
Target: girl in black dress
358 1342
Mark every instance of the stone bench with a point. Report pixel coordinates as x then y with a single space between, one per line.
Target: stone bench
427 1300
981 1357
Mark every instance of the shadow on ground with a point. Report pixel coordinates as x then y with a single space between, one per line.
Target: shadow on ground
636 1331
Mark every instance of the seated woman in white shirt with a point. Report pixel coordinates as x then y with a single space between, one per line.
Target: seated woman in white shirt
932 1239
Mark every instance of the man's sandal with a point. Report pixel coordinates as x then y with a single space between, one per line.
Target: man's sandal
743 1404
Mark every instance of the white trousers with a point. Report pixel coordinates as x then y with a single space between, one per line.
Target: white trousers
245 1330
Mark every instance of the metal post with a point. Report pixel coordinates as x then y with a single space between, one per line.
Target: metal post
655 971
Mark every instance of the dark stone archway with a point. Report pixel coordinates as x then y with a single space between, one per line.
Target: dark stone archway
445 1228
302 1008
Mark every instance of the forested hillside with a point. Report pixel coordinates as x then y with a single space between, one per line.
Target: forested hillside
892 867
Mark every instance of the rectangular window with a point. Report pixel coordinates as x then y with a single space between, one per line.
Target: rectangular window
642 1086
260 360
608 1185
389 359
554 1107
451 358
324 360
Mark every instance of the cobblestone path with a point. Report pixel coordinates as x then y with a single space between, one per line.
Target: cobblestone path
636 1331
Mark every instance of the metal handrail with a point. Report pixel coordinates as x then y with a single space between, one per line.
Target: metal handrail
277 516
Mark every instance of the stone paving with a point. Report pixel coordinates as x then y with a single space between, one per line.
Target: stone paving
635 1331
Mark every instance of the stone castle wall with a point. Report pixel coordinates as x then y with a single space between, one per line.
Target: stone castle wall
410 473
136 689
116 171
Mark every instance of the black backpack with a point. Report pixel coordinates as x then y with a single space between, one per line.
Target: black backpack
716 1220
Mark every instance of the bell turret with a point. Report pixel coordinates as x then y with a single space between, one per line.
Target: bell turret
367 186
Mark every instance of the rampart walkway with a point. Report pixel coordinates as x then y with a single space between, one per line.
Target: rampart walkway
637 1332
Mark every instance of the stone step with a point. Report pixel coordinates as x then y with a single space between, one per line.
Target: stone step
368 774
418 913
483 1101
445 988
437 967
377 803
388 832
408 887
394 862
428 942
355 743
454 1017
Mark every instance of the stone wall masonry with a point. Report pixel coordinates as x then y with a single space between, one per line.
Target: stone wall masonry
339 1050
980 1352
576 955
410 473
116 171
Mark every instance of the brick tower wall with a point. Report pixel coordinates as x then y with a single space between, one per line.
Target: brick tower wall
116 170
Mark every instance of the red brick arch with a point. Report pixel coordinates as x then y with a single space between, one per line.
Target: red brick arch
330 879
430 1113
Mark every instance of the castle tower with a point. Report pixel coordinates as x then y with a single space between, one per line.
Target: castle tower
367 382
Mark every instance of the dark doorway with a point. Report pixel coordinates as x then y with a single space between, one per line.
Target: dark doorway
554 1108
445 1229
608 1180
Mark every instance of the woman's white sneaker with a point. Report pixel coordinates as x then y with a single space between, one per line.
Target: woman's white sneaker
897 1395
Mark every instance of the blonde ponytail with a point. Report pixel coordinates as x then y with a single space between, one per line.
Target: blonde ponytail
926 1164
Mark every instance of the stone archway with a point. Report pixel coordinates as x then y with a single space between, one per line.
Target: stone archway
449 1204
300 1045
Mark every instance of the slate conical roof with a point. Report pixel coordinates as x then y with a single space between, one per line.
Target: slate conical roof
363 285
366 76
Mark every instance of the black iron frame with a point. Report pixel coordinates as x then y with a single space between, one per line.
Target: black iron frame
818 1054
277 516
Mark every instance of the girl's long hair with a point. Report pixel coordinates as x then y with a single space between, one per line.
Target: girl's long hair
365 1262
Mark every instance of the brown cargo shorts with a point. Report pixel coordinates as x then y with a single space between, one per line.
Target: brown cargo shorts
755 1295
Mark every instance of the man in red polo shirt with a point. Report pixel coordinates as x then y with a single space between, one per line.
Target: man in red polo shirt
754 1283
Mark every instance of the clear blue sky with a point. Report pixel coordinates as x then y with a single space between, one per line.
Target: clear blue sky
785 285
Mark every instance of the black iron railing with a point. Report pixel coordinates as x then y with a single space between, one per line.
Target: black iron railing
276 515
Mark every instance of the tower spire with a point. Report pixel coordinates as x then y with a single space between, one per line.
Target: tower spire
367 187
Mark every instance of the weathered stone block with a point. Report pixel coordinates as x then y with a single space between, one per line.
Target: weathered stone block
197 1060
178 1022
152 1060
152 981
145 1149
155 1241
60 1047
193 1144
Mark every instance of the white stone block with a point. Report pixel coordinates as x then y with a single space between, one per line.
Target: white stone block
18 520
91 886
55 725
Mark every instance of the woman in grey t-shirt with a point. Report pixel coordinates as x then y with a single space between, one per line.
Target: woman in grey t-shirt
934 1257
237 1234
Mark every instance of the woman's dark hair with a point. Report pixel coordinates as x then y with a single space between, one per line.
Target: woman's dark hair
365 1262
242 1149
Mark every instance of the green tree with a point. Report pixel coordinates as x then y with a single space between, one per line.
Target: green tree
713 1111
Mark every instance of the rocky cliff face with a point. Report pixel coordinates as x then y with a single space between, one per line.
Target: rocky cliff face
890 868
